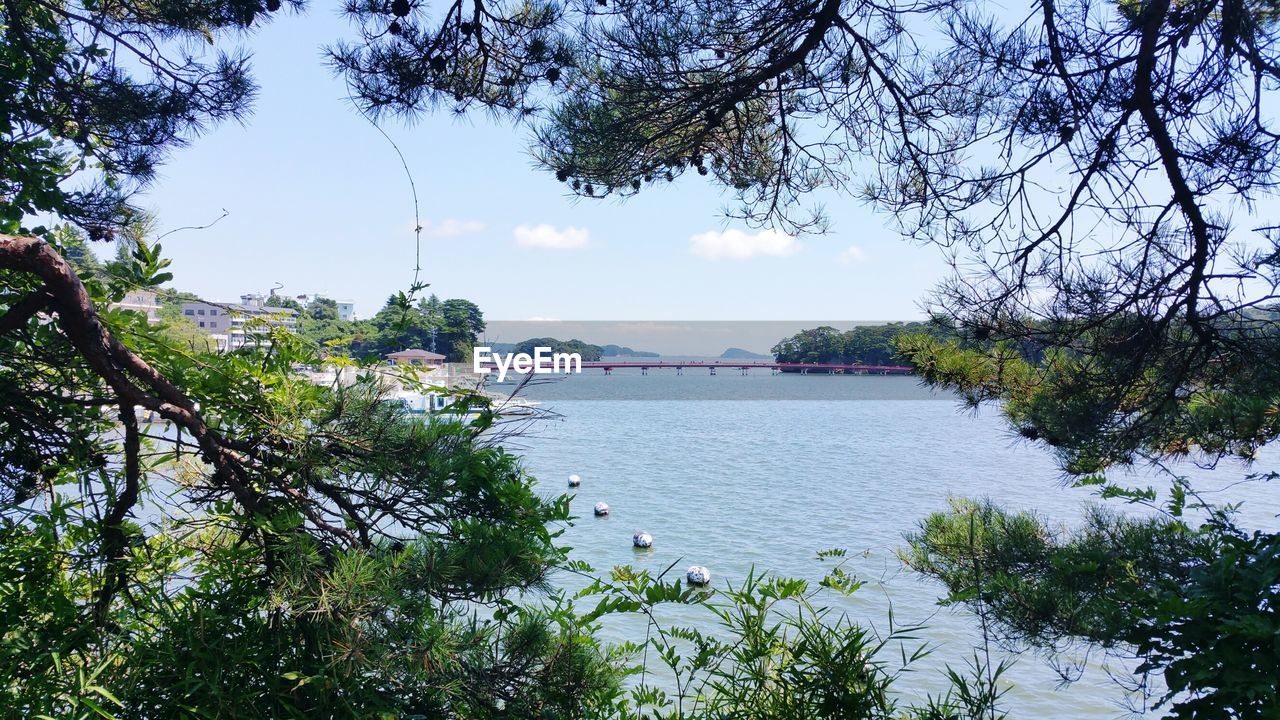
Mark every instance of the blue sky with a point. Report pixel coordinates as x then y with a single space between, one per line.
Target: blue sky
318 202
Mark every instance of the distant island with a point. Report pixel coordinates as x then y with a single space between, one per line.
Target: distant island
734 353
589 352
862 345
620 351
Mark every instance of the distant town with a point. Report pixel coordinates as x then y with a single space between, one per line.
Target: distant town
230 326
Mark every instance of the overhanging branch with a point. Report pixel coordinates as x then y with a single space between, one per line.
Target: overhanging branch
133 380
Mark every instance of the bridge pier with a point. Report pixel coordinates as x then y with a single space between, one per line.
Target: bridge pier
713 371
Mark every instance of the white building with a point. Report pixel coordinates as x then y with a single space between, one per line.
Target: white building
242 323
346 308
141 301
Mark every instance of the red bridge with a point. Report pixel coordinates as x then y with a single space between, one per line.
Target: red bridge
608 366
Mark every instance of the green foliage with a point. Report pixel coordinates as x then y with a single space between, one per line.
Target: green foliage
460 323
41 629
281 301
1216 640
863 345
773 648
344 559
313 552
143 268
452 327
354 635
323 308
1049 587
588 351
1191 603
1100 409
1112 392
620 350
77 102
73 246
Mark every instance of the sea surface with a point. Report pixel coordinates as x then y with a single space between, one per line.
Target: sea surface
764 471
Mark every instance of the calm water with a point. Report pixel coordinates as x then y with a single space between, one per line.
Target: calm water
733 472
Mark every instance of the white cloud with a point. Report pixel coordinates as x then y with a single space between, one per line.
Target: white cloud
737 245
852 254
451 227
546 236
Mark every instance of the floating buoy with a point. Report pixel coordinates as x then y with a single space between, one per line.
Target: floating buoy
601 509
697 575
574 481
642 539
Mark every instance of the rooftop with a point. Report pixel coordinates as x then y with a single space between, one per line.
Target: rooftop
415 353
246 309
265 309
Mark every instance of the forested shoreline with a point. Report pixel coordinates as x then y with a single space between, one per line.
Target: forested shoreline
861 345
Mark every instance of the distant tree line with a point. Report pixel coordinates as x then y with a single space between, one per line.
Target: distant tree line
588 351
863 345
624 351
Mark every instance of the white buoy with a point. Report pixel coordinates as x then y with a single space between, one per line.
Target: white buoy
574 481
697 575
601 509
642 539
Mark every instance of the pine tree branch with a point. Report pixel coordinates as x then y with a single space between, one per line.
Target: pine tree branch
133 380
23 310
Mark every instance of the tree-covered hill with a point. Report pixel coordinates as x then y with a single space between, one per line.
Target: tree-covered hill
588 351
449 327
734 353
624 351
862 345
